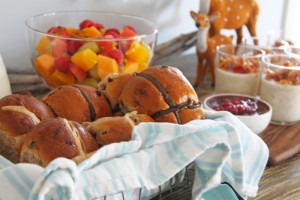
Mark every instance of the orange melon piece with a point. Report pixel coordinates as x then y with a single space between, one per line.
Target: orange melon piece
73 31
130 66
44 65
58 78
53 82
85 59
91 32
138 52
106 66
43 44
66 78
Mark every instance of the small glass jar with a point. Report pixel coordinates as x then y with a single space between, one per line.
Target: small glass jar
293 51
269 43
238 69
280 86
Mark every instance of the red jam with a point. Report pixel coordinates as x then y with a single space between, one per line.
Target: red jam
238 105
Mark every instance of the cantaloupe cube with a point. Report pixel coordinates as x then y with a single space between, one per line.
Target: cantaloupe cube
53 81
43 44
44 65
66 78
106 66
91 32
130 66
73 31
58 78
86 59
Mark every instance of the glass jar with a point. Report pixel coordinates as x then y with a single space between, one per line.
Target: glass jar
238 69
280 86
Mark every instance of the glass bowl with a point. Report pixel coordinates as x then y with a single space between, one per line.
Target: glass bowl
238 69
280 86
269 43
255 113
83 47
292 51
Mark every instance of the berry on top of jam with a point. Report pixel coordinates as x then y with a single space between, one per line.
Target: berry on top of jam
238 105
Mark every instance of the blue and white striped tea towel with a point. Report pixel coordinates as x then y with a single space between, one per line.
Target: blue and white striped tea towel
221 147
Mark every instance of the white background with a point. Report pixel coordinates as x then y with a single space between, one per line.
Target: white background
171 16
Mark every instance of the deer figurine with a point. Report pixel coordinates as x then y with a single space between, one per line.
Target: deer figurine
234 14
206 45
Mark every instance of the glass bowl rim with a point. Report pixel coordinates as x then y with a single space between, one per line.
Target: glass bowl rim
241 45
53 13
268 63
288 50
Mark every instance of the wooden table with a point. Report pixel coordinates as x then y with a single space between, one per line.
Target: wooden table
281 182
281 178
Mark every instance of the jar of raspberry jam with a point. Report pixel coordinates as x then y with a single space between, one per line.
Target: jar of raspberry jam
238 69
253 112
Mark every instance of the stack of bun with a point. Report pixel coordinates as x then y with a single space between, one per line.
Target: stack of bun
79 103
109 130
163 93
73 121
112 87
57 137
19 113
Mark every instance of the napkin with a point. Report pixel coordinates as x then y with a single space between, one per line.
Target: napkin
221 148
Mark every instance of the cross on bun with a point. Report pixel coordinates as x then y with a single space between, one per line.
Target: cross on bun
112 86
19 113
79 103
57 137
109 130
163 93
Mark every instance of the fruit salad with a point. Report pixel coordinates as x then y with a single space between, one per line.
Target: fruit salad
89 53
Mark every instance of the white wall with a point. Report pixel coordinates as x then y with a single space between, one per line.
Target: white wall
292 16
269 19
172 17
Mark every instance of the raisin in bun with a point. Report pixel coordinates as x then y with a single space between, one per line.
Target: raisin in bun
112 86
163 93
78 103
19 113
109 130
57 137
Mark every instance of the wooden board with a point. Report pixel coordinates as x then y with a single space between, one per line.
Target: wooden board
283 142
